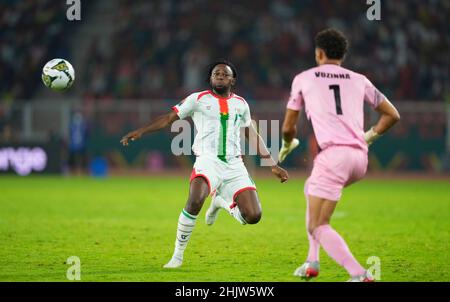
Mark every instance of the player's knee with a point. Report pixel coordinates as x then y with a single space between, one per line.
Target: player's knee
253 217
311 228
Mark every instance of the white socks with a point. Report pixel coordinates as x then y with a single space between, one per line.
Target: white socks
186 223
231 208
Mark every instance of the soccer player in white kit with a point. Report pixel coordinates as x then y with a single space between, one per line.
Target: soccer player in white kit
218 115
333 98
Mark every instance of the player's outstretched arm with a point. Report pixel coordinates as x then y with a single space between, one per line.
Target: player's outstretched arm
289 142
255 140
389 116
160 122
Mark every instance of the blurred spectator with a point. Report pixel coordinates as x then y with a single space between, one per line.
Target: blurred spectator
7 134
78 143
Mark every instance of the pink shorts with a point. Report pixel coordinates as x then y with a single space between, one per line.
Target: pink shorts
335 168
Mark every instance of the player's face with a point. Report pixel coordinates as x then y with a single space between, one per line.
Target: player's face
222 78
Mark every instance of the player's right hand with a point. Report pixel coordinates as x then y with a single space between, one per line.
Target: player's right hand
281 173
287 148
133 135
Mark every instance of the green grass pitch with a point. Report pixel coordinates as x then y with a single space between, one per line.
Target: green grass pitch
123 229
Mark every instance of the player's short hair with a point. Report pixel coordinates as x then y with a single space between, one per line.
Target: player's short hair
221 61
333 42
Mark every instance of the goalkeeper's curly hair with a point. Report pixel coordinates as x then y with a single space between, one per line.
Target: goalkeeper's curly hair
333 42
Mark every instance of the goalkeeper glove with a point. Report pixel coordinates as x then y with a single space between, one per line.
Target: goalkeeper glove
287 148
371 136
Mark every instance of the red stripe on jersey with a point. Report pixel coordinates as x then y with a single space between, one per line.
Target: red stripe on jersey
174 108
240 98
223 106
203 94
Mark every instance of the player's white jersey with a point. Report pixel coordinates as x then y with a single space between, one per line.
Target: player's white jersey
218 121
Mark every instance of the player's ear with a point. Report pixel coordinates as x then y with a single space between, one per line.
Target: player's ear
320 55
233 81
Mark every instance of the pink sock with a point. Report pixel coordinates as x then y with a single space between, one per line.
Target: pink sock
313 252
337 249
314 245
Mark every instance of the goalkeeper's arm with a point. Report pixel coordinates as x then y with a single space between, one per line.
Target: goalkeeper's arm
289 142
389 116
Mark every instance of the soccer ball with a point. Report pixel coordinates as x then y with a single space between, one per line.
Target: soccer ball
58 74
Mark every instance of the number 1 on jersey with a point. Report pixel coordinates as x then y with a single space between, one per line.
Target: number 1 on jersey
337 98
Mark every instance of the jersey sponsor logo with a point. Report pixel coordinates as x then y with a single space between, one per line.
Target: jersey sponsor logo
23 160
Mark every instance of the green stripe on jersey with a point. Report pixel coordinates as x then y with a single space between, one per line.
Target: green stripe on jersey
223 137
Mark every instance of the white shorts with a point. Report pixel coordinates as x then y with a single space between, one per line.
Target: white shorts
225 179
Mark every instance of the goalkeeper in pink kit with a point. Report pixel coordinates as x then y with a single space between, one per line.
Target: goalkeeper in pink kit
333 99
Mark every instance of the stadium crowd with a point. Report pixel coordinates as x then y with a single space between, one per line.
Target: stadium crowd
160 48
30 33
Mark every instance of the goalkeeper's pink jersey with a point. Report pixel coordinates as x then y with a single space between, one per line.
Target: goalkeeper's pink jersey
333 98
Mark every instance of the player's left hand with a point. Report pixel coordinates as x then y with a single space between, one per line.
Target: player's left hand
281 173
